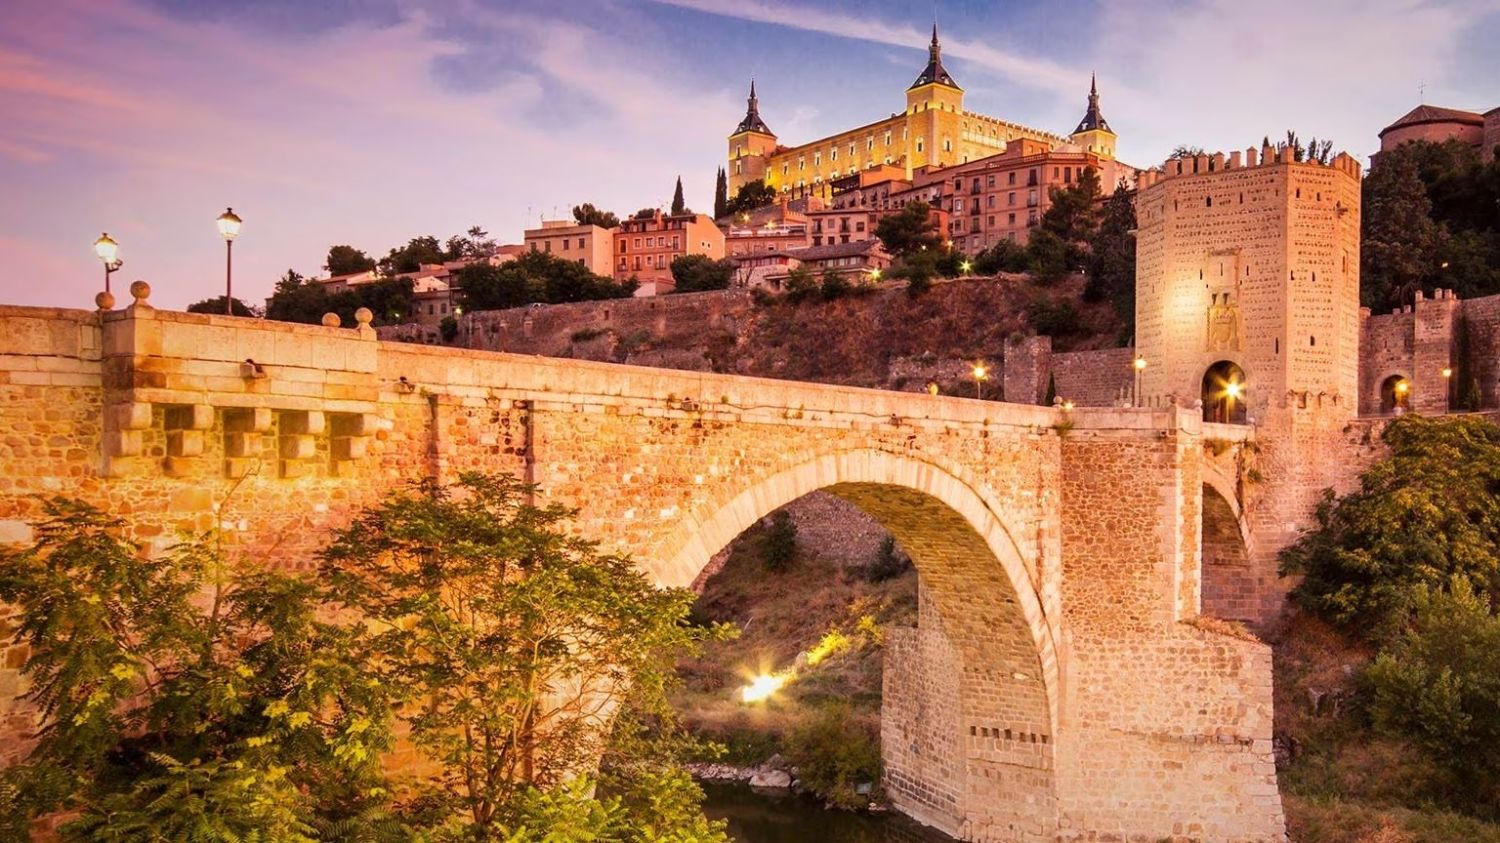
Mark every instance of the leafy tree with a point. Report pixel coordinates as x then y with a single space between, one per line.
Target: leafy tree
448 329
695 273
1425 515
751 195
347 260
1184 151
534 277
800 283
216 305
1050 256
833 285
889 562
909 230
474 244
1059 243
781 541
1004 256
587 214
678 205
835 753
1438 686
508 641
238 718
721 195
1111 261
1400 240
409 258
298 299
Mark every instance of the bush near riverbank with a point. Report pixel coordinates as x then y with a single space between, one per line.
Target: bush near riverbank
817 625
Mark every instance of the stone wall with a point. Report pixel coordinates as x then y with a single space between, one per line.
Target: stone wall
1101 378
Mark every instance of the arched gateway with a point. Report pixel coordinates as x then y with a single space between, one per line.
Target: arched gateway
1057 687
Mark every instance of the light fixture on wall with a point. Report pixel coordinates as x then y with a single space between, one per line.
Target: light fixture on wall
108 251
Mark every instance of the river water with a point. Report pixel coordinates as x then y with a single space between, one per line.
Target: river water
778 816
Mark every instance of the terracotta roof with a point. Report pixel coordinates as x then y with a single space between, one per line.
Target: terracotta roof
834 250
1434 114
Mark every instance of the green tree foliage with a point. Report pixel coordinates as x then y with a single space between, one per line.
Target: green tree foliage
751 195
587 214
909 230
1428 513
696 273
215 305
721 195
166 719
834 754
780 549
801 284
1004 256
409 258
448 329
679 205
506 640
1111 260
474 244
1400 241
534 277
1438 686
1059 244
346 260
299 299
889 562
1432 216
833 285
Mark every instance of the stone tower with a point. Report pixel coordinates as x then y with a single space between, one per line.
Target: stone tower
750 147
934 105
1093 132
1247 300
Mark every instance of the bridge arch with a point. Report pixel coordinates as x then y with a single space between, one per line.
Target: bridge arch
970 715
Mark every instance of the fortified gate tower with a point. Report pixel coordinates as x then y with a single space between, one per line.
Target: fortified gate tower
1247 300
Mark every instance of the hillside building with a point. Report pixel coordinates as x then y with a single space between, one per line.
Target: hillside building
645 246
588 245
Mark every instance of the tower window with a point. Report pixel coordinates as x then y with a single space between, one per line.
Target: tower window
1311 340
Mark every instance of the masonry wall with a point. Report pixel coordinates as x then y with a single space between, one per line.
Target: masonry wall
1419 340
1200 745
1102 378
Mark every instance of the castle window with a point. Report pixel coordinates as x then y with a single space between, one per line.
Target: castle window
947 145
1276 345
1312 341
1208 201
919 144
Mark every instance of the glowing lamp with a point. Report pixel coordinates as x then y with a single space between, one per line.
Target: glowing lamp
1067 406
1233 389
874 275
1140 364
761 688
1447 372
106 248
965 266
980 372
1402 387
229 224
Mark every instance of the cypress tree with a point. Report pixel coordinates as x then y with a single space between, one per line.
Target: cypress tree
678 205
721 195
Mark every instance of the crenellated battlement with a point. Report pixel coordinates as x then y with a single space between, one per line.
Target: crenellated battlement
1251 157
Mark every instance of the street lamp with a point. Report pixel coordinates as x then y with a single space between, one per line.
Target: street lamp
1140 366
965 267
875 275
980 375
107 249
229 227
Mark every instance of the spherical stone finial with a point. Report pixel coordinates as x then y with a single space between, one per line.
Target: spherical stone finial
105 300
332 320
141 291
363 316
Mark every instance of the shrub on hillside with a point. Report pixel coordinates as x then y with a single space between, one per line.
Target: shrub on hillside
780 547
834 753
1438 686
1053 319
834 286
1426 514
889 562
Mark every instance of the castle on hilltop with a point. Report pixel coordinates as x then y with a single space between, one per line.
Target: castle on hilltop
933 131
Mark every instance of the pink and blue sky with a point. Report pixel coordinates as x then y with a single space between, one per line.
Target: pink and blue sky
370 122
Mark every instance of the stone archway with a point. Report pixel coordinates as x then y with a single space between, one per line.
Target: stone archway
1395 395
1227 575
969 717
1224 393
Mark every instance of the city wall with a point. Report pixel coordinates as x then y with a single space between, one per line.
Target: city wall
1057 551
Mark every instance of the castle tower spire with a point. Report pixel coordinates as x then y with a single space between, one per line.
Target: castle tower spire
1093 132
935 73
753 121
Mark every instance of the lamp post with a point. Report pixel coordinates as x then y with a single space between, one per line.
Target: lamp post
229 227
965 267
107 249
1140 366
980 374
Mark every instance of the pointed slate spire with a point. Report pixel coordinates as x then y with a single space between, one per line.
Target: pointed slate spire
752 121
1093 119
935 73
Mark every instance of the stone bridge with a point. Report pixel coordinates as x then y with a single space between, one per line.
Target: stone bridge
1059 685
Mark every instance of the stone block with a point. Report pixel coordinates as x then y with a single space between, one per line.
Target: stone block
299 446
185 443
350 447
310 422
238 445
123 443
132 416
248 420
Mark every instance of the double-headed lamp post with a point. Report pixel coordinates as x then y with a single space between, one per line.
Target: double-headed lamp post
107 250
1140 367
229 227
